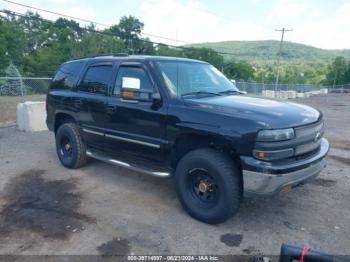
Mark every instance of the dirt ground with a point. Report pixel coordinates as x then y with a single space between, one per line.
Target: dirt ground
101 209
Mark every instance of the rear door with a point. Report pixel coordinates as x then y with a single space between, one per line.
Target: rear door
91 100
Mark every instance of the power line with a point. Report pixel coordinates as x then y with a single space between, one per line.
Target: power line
55 13
106 33
283 30
82 19
102 24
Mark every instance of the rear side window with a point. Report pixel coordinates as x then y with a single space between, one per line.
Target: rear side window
134 72
66 76
96 79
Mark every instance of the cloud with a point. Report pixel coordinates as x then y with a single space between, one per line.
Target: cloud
329 33
73 9
288 10
60 1
86 13
190 22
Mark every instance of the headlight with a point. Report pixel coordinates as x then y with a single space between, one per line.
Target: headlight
275 135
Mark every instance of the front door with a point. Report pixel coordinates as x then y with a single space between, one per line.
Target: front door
135 127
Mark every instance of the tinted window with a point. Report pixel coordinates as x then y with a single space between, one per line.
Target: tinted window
66 76
134 72
96 79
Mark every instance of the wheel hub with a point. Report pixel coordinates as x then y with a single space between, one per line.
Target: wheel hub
204 186
67 146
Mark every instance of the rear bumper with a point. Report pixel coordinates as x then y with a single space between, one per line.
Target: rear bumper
267 178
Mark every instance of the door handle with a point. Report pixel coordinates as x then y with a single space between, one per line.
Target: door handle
111 109
78 102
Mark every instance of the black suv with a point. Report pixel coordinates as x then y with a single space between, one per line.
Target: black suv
166 116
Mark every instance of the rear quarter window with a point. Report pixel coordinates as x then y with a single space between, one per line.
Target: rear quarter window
66 76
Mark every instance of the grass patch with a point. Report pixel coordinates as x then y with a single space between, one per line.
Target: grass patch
8 107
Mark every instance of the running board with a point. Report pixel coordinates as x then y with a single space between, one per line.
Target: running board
141 169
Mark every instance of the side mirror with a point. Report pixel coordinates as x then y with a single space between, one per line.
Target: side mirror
131 90
156 96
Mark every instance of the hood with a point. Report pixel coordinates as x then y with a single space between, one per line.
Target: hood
272 113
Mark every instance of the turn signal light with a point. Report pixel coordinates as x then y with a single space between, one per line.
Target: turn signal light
273 155
261 155
127 94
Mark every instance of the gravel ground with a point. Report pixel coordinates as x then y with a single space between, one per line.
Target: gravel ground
101 209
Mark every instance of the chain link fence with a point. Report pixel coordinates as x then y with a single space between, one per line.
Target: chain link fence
27 87
23 86
14 90
259 88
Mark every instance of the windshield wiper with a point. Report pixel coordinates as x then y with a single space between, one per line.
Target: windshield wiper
226 92
200 93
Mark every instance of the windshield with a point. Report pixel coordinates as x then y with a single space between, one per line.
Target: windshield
191 78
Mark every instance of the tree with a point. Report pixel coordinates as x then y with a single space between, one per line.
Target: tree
93 44
239 71
347 73
4 56
12 42
337 71
165 50
129 30
205 54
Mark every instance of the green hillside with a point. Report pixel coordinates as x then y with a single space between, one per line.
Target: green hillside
255 51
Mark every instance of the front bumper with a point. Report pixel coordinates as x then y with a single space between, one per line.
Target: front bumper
268 178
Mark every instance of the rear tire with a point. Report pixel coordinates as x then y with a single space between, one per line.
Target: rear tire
209 185
70 148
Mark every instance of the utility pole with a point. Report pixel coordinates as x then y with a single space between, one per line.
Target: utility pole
283 30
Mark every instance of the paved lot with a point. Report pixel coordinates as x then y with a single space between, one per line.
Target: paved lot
101 209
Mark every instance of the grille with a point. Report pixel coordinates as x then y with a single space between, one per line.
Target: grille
310 130
302 149
311 135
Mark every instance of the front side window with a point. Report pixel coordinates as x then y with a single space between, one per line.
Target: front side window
129 73
96 79
184 78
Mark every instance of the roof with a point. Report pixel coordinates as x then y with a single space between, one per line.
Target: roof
138 58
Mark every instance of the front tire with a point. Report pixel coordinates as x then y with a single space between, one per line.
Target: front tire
70 148
209 185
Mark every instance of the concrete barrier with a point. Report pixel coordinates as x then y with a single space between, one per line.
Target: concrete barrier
268 93
324 91
31 116
292 94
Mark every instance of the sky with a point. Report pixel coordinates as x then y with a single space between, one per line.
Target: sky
320 23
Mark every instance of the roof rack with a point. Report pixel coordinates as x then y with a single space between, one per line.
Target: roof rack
121 54
93 56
